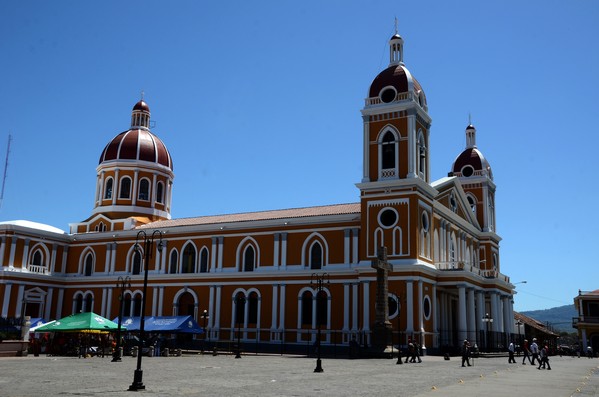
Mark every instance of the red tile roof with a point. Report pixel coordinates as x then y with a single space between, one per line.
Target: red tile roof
327 210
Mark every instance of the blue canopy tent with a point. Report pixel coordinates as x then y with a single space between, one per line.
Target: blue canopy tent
163 324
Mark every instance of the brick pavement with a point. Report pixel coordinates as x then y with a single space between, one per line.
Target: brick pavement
253 375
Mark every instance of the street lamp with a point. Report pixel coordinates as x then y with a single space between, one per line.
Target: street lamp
146 255
122 283
204 316
519 324
239 306
487 319
318 281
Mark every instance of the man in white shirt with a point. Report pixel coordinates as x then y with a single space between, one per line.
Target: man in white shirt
534 350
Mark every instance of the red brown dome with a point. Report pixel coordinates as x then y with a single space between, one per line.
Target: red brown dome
141 105
137 144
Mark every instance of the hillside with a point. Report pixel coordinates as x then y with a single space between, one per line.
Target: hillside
560 318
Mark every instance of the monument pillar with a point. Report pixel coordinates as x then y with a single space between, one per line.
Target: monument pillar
382 329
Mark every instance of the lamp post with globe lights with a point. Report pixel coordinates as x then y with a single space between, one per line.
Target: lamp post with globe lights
122 283
146 254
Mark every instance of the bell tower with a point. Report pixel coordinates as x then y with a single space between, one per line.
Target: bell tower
396 172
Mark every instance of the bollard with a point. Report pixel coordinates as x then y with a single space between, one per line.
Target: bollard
214 352
166 352
134 351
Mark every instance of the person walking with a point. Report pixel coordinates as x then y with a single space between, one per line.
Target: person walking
534 350
466 353
511 349
525 352
544 361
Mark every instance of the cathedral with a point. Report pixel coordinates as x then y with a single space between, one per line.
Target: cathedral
284 277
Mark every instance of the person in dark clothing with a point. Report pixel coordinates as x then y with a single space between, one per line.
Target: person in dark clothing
525 352
466 353
544 360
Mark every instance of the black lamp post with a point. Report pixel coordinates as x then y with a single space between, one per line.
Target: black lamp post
204 316
487 319
146 256
122 283
239 306
519 324
318 281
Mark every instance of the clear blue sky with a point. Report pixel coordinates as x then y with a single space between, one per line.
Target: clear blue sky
259 104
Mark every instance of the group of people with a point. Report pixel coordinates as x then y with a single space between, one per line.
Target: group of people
413 352
531 353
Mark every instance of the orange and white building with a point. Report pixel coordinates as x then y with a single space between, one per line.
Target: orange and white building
440 237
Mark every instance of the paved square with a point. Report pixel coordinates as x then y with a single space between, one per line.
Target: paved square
253 375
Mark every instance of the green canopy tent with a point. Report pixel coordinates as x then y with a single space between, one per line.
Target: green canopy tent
81 322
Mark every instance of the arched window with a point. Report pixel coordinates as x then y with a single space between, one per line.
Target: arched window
240 301
491 214
89 265
172 267
249 258
125 190
321 309
421 156
388 150
137 305
471 202
188 264
316 256
253 308
204 261
144 190
159 192
79 304
88 306
108 190
307 308
136 267
37 262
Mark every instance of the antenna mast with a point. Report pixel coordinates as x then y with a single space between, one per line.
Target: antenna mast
5 169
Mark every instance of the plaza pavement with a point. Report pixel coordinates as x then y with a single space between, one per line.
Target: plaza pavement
252 375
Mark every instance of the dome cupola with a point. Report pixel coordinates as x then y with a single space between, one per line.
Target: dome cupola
396 83
471 161
135 173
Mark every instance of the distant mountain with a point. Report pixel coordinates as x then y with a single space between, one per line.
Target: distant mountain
559 318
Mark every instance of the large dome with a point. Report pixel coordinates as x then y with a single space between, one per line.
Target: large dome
138 143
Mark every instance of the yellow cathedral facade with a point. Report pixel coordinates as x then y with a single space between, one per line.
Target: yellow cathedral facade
444 284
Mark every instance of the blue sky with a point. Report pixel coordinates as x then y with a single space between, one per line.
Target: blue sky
259 104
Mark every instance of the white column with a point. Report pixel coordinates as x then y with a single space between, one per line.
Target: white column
25 254
210 306
52 258
48 305
113 258
160 301
217 305
366 154
412 158
409 307
355 233
134 187
103 303
275 302
507 323
59 303
275 261
6 299
2 249
220 253
355 306
346 301
213 254
282 309
20 296
462 323
155 301
284 251
366 305
471 315
346 246
116 187
63 266
494 311
13 250
108 257
480 311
